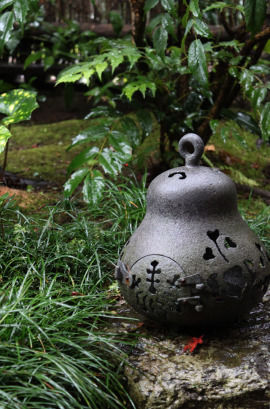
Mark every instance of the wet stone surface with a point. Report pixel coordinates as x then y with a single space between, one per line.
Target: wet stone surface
231 369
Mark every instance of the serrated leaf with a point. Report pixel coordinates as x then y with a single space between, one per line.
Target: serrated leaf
255 13
197 63
160 40
133 55
100 68
70 74
150 4
82 158
4 137
73 182
116 60
140 85
93 187
18 105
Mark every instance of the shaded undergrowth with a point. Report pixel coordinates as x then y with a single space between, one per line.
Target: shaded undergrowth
55 350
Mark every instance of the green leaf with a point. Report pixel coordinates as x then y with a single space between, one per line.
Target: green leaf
18 104
73 182
71 74
106 161
142 84
168 5
255 13
6 27
201 28
93 133
32 57
93 187
82 158
243 119
103 111
21 7
146 121
257 96
130 129
197 63
112 161
246 80
160 40
195 8
4 137
4 4
150 4
48 62
116 59
220 5
132 54
265 121
100 68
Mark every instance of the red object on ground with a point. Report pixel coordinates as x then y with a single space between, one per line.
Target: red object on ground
191 346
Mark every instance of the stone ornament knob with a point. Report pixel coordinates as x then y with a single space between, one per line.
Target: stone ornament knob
193 261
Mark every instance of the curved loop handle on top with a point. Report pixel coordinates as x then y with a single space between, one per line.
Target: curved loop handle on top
191 148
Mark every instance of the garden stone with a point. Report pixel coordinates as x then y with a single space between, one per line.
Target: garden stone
230 370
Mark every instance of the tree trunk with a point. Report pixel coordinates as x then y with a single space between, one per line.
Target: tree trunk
138 21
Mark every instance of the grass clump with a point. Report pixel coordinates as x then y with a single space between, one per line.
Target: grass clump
55 347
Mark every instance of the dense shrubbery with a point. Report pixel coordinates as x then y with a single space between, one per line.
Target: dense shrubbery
178 70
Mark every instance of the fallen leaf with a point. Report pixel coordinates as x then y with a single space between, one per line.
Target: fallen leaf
210 148
192 345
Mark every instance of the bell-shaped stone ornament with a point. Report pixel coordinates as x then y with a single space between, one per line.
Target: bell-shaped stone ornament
193 261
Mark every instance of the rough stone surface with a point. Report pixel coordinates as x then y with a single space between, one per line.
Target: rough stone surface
230 370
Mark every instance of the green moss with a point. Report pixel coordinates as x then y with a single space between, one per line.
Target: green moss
40 151
236 148
59 133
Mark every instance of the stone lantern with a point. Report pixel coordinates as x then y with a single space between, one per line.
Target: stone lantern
193 261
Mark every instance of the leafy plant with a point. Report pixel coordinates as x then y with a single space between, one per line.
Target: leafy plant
14 14
61 45
17 105
179 69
